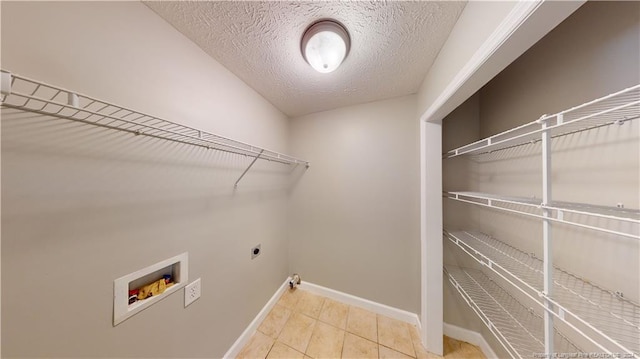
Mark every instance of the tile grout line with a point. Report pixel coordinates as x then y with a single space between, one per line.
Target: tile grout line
293 311
378 335
315 324
297 309
344 336
271 348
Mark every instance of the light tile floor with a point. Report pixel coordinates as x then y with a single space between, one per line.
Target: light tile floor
304 325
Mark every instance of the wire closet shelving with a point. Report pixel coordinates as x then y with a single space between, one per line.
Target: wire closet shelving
22 93
616 108
601 317
516 327
585 306
576 214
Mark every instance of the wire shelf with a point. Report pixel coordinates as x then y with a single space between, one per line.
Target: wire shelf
561 212
25 94
516 327
603 310
616 108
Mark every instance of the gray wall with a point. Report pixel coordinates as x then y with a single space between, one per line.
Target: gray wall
476 23
354 223
594 52
82 206
462 126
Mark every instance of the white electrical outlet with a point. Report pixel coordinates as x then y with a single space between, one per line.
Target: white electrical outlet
192 292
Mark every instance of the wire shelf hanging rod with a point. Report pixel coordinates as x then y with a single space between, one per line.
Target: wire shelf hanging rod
135 132
115 119
570 132
238 150
457 196
552 219
492 143
622 103
601 99
215 141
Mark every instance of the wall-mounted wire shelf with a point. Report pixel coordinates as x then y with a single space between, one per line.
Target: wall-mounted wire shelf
599 315
517 328
575 214
25 94
616 108
609 324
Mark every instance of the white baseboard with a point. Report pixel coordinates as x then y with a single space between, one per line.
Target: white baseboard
243 339
372 306
469 336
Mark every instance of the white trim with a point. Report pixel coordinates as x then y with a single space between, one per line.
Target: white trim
424 262
243 339
382 309
471 337
431 252
432 317
518 15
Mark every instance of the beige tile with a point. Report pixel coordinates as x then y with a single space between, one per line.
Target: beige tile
362 323
274 322
387 353
360 348
326 342
455 349
290 298
334 313
281 351
310 304
395 334
297 332
450 346
415 334
472 352
257 347
421 352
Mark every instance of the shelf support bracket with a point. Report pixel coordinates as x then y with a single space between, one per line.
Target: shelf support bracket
248 168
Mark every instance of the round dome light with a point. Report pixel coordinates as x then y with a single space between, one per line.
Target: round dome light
325 44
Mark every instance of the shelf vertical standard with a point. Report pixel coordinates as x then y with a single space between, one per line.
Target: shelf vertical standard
546 233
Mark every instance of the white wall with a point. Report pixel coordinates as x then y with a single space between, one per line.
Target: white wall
594 52
354 223
82 206
591 54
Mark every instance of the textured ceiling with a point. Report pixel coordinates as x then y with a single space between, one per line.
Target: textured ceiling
393 46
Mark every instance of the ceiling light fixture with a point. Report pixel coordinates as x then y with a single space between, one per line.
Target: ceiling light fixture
325 44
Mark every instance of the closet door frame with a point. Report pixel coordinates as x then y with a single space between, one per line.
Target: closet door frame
525 25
